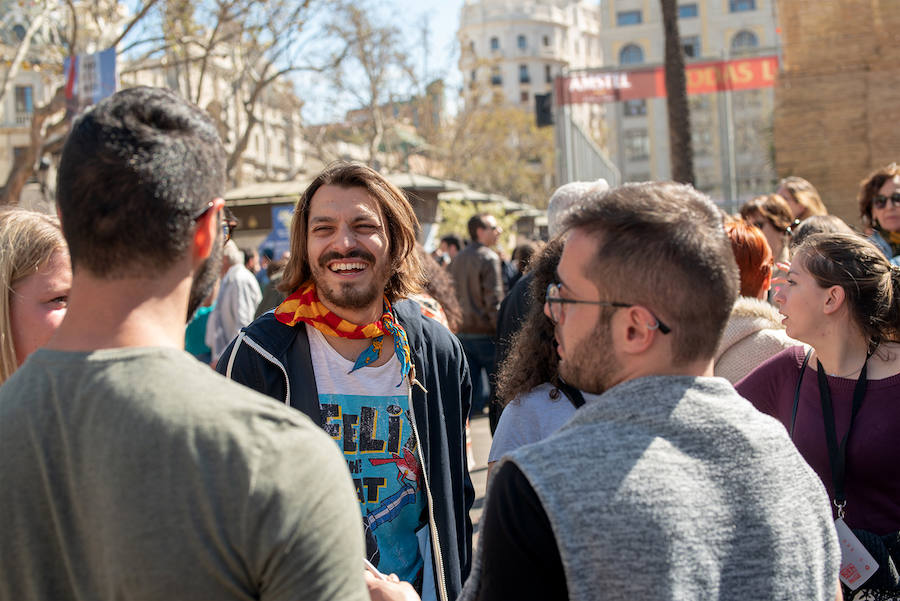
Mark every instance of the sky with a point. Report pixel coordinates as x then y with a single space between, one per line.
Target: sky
439 61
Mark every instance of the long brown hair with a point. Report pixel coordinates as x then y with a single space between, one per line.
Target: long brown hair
399 220
871 284
532 358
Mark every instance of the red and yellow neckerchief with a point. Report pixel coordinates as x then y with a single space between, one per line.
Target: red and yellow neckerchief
304 305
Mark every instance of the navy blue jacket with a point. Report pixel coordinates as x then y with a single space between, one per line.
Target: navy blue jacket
273 358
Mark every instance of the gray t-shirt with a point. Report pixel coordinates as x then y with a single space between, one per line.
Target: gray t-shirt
529 418
140 473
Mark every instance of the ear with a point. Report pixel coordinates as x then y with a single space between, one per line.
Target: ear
206 234
834 299
640 329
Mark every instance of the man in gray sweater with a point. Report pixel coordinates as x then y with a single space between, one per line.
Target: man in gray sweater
666 484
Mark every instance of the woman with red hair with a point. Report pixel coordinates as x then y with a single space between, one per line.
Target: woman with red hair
754 331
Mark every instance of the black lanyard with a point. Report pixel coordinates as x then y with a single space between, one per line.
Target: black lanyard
837 453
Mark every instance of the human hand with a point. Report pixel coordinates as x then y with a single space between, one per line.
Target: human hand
390 588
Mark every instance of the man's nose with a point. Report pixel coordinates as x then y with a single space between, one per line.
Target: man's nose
345 237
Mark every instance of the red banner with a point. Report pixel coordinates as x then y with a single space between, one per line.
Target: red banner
702 78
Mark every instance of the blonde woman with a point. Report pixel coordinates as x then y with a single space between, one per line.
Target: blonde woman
35 271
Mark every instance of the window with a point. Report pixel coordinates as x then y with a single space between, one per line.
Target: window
546 40
19 32
635 107
495 43
472 75
523 97
24 104
496 80
631 54
743 41
739 6
521 43
471 46
691 46
548 74
628 17
687 11
637 144
523 74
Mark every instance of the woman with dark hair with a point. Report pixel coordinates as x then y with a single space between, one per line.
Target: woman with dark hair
879 209
771 214
802 197
754 331
536 401
839 401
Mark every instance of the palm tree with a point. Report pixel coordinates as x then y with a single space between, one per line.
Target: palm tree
680 152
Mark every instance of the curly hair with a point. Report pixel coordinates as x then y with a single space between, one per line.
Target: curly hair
532 358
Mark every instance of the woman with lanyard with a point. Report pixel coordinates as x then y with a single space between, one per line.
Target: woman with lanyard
840 400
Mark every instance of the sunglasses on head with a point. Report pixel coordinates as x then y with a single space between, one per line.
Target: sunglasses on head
879 201
229 221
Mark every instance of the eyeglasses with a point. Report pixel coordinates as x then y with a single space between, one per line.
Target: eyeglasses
880 200
555 304
229 222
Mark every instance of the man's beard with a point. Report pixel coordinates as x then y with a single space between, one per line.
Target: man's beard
591 366
206 276
350 295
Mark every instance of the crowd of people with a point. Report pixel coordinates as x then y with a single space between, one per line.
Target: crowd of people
687 404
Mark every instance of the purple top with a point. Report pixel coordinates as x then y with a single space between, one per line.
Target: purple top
872 481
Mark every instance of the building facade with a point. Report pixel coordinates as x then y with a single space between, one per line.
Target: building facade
517 48
838 98
732 131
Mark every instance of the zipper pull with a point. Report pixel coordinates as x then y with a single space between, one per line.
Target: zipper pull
413 380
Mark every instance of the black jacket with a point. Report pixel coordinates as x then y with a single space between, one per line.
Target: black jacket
274 359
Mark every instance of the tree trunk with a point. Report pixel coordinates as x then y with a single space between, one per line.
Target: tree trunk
680 151
25 166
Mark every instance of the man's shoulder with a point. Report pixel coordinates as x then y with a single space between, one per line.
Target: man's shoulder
487 254
423 329
272 335
152 388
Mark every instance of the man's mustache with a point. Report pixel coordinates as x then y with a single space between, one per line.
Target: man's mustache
333 255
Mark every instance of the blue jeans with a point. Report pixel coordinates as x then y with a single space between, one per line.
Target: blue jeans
479 350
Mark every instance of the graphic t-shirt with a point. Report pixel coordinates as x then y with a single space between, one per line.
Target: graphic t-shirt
366 413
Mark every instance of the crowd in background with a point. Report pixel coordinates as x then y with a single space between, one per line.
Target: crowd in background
807 330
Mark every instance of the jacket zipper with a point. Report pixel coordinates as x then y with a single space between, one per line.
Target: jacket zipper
242 337
432 525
